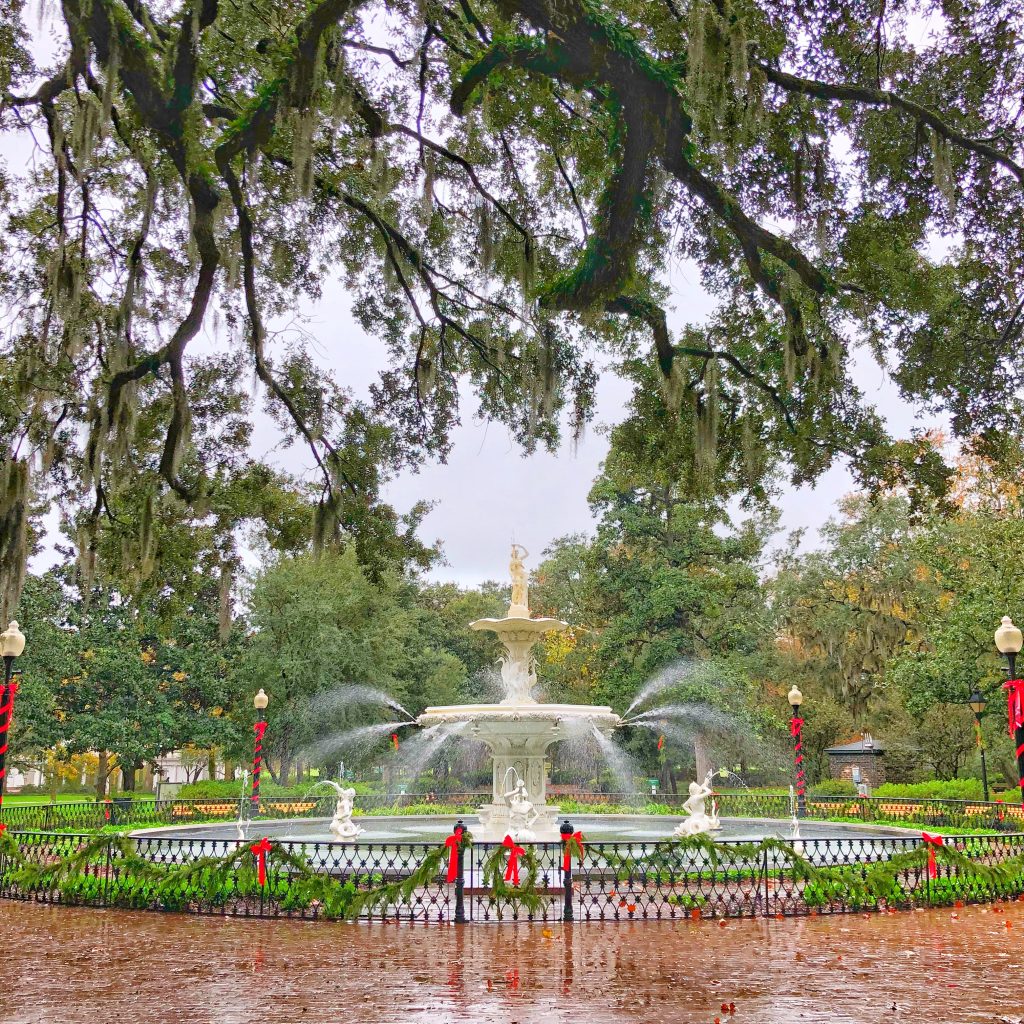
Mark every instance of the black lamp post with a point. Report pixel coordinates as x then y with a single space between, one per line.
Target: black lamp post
259 702
977 702
12 643
796 727
1009 641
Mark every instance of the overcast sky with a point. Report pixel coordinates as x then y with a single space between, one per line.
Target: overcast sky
488 492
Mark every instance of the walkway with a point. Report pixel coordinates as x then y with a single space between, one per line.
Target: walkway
80 966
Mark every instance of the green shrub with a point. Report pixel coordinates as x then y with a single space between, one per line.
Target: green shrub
936 789
231 789
834 787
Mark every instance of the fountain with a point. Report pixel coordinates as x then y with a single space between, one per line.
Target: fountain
518 732
519 729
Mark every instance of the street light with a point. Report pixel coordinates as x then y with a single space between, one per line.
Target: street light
796 725
977 702
12 643
259 702
1009 641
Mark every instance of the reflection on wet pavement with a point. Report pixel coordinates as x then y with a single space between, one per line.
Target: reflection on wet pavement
79 965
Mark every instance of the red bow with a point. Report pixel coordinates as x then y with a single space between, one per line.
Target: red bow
3 827
661 742
106 809
577 838
1014 703
795 725
453 842
259 728
514 853
932 842
1000 811
394 740
260 851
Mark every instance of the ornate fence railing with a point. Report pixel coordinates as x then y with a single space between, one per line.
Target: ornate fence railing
612 881
87 814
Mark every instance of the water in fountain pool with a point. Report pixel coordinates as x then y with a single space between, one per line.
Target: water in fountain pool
596 828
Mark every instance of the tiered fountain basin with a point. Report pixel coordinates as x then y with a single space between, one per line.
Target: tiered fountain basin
518 737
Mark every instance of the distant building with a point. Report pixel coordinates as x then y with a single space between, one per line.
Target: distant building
866 755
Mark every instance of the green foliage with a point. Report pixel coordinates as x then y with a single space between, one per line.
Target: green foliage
833 787
220 162
937 789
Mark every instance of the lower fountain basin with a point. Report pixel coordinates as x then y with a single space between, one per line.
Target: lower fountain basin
596 828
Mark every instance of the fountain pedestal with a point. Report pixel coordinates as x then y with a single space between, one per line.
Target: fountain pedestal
519 730
518 736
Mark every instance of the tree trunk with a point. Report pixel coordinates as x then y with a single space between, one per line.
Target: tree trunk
224 604
102 771
702 755
54 777
211 764
128 777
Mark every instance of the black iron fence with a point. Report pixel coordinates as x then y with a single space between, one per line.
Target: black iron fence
612 881
87 815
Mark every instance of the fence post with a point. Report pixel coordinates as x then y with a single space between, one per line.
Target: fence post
863 808
460 876
566 833
105 891
767 882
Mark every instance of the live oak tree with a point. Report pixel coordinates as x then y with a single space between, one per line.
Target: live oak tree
500 184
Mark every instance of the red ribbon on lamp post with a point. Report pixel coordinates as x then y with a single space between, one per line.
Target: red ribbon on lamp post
453 842
568 841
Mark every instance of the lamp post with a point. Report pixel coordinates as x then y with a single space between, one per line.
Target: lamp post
796 726
259 702
1009 641
12 643
977 702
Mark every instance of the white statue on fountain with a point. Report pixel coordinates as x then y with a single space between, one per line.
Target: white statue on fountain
520 606
521 812
342 827
699 821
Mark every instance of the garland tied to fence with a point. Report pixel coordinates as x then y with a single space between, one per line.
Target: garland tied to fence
291 881
265 868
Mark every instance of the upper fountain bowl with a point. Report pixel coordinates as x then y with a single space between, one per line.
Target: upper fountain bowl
603 718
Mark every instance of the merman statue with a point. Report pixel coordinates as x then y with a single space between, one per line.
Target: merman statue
699 821
521 812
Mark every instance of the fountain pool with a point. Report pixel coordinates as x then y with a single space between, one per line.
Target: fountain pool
598 828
